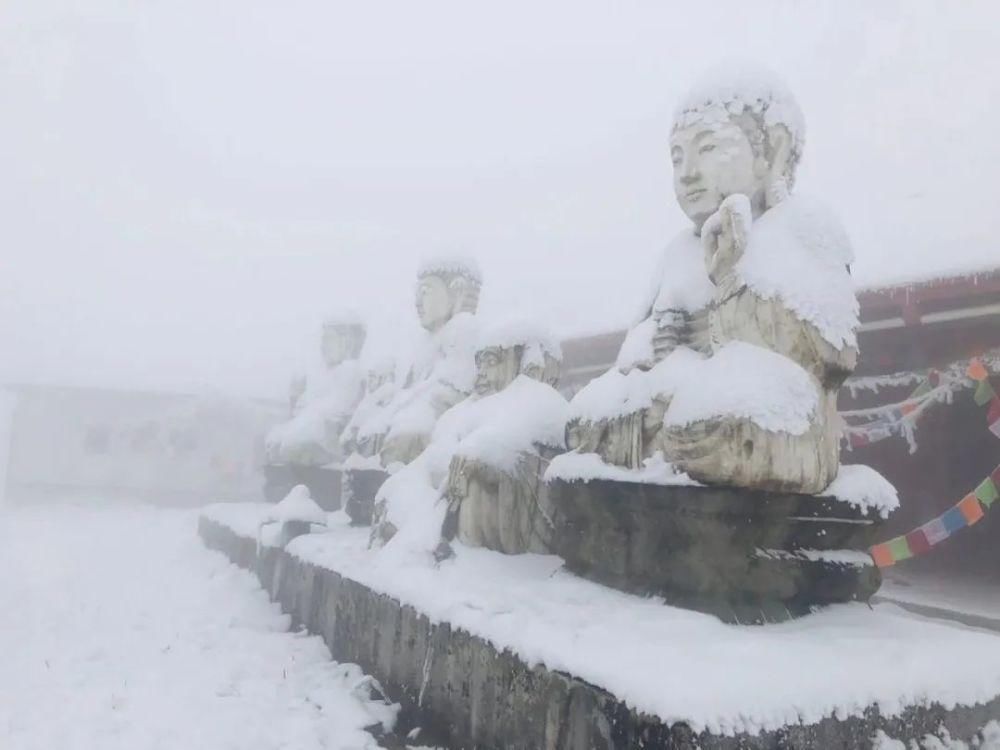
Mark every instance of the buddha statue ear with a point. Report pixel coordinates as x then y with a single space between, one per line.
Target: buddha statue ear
780 147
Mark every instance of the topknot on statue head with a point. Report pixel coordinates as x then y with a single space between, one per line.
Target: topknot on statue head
739 131
445 288
506 350
343 336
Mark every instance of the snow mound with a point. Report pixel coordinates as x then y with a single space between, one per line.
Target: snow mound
864 488
747 382
587 467
298 505
799 253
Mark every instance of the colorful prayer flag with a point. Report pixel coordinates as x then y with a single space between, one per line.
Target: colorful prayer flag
987 492
907 408
995 476
993 417
935 531
882 556
984 393
899 548
977 370
953 520
970 508
917 541
922 390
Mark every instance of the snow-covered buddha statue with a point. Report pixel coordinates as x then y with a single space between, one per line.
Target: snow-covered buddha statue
505 433
379 389
443 366
327 401
480 477
735 382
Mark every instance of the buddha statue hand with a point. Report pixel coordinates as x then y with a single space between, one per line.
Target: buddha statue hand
724 237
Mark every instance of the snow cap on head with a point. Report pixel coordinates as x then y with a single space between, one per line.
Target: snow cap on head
730 91
344 319
541 353
520 332
449 267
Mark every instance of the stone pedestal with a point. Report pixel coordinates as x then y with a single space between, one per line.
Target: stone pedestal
745 556
323 483
360 488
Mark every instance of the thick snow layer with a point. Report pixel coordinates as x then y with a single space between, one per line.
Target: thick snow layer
297 505
749 382
615 394
120 630
520 331
864 488
330 396
444 360
586 467
498 430
677 664
680 281
799 252
730 90
463 266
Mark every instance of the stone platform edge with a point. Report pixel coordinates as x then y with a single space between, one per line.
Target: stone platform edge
465 693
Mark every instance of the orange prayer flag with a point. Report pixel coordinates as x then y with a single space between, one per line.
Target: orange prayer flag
882 555
907 408
977 370
971 508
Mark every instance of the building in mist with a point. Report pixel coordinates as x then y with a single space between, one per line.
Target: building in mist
103 444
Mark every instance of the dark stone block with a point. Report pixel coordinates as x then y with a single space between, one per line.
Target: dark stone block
465 693
323 483
360 488
746 556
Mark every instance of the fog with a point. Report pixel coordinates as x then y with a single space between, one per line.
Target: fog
188 187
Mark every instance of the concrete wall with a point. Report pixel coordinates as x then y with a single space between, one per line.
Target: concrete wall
468 694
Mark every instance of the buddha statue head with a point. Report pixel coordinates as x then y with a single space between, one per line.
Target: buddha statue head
342 339
444 289
511 350
736 133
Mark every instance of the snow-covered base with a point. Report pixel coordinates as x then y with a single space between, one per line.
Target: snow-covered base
120 631
673 664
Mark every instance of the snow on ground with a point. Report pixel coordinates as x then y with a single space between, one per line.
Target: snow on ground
119 630
677 664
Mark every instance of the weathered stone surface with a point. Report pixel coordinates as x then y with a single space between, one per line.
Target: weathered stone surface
719 550
323 483
467 694
360 488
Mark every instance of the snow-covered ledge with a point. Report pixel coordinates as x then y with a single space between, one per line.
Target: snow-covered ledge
512 651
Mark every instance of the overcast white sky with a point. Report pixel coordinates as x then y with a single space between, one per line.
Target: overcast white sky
188 186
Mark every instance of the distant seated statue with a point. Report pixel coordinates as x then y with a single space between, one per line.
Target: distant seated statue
359 438
513 424
480 478
753 402
312 436
443 368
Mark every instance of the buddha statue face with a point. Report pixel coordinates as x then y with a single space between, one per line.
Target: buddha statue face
496 368
340 343
443 293
741 133
713 161
434 303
